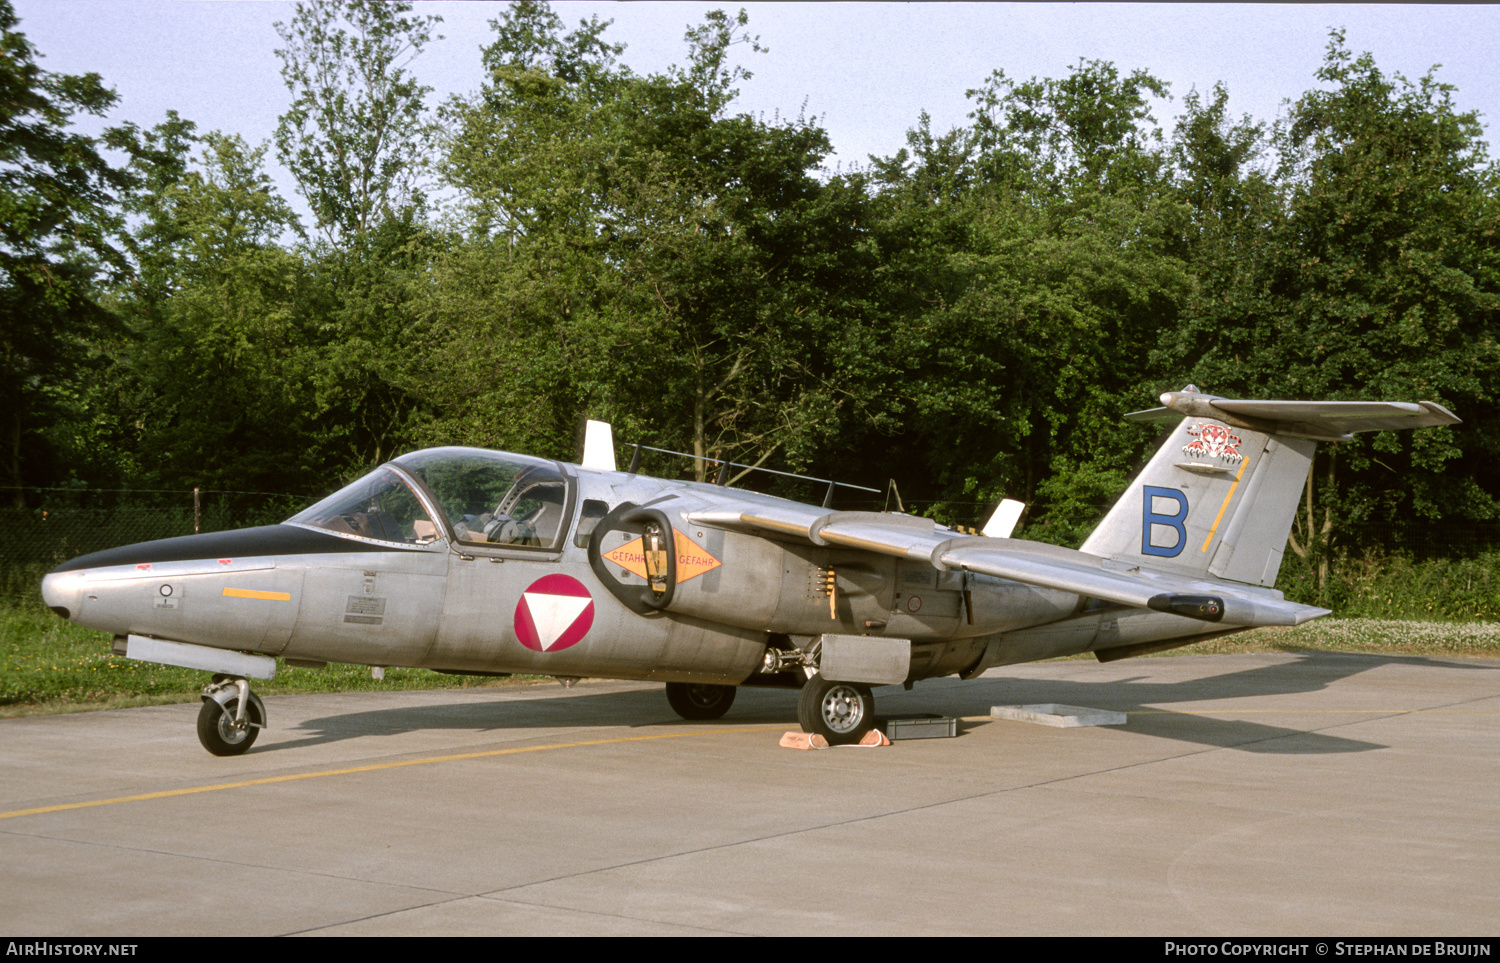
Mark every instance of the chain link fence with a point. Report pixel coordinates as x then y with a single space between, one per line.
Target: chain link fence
73 523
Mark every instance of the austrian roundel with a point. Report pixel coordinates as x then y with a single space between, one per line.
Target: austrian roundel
555 612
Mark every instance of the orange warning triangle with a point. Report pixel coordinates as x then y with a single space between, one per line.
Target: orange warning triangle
631 557
692 559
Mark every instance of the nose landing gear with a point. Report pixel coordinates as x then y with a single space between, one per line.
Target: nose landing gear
231 717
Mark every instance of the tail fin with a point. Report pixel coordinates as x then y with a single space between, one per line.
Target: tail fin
1218 497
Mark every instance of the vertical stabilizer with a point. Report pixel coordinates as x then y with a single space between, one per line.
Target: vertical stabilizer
1213 500
1219 496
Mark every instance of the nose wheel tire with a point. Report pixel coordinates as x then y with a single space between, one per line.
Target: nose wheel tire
700 702
841 712
219 733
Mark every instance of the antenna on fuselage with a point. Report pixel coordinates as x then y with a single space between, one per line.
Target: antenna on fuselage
892 491
722 477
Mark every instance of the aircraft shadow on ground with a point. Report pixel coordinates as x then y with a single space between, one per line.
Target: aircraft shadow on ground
557 709
1140 696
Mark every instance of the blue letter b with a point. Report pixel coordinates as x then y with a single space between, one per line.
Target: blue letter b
1150 518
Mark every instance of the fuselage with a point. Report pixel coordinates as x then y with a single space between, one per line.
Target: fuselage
469 561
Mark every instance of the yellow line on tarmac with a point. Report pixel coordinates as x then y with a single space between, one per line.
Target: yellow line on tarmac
371 768
1241 712
1357 712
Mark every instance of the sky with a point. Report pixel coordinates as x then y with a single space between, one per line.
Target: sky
866 71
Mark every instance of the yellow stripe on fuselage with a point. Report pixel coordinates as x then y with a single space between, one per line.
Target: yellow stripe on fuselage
235 593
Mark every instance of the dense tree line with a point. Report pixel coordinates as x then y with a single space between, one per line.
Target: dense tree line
970 316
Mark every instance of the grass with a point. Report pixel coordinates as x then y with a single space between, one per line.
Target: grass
1376 585
1383 636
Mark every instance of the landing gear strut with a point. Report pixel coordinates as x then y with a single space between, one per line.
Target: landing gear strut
841 712
700 702
231 717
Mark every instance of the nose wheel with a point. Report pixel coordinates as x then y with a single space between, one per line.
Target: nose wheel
841 712
231 717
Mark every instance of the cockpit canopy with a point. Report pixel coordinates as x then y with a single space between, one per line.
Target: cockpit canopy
481 498
490 497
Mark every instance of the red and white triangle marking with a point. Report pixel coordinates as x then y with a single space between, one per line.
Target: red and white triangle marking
555 612
552 615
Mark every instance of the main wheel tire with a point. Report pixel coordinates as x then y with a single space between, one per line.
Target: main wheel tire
700 701
841 712
217 731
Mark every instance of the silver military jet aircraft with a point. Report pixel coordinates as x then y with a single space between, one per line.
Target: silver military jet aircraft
482 562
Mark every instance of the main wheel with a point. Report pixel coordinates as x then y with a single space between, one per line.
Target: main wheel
219 734
698 701
841 712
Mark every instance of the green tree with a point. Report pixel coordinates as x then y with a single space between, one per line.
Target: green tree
59 237
1030 263
1091 129
1379 280
528 152
362 346
159 163
1233 210
215 370
356 137
1215 160
1038 331
682 267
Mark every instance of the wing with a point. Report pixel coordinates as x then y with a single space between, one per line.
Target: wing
1035 563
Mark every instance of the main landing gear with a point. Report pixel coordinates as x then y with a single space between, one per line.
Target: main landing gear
841 712
231 717
700 702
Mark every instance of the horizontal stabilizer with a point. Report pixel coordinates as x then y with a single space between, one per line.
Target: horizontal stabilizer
1321 420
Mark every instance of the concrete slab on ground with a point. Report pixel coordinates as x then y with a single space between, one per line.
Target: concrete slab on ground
1306 794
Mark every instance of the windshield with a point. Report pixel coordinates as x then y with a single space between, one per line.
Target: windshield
494 498
379 506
